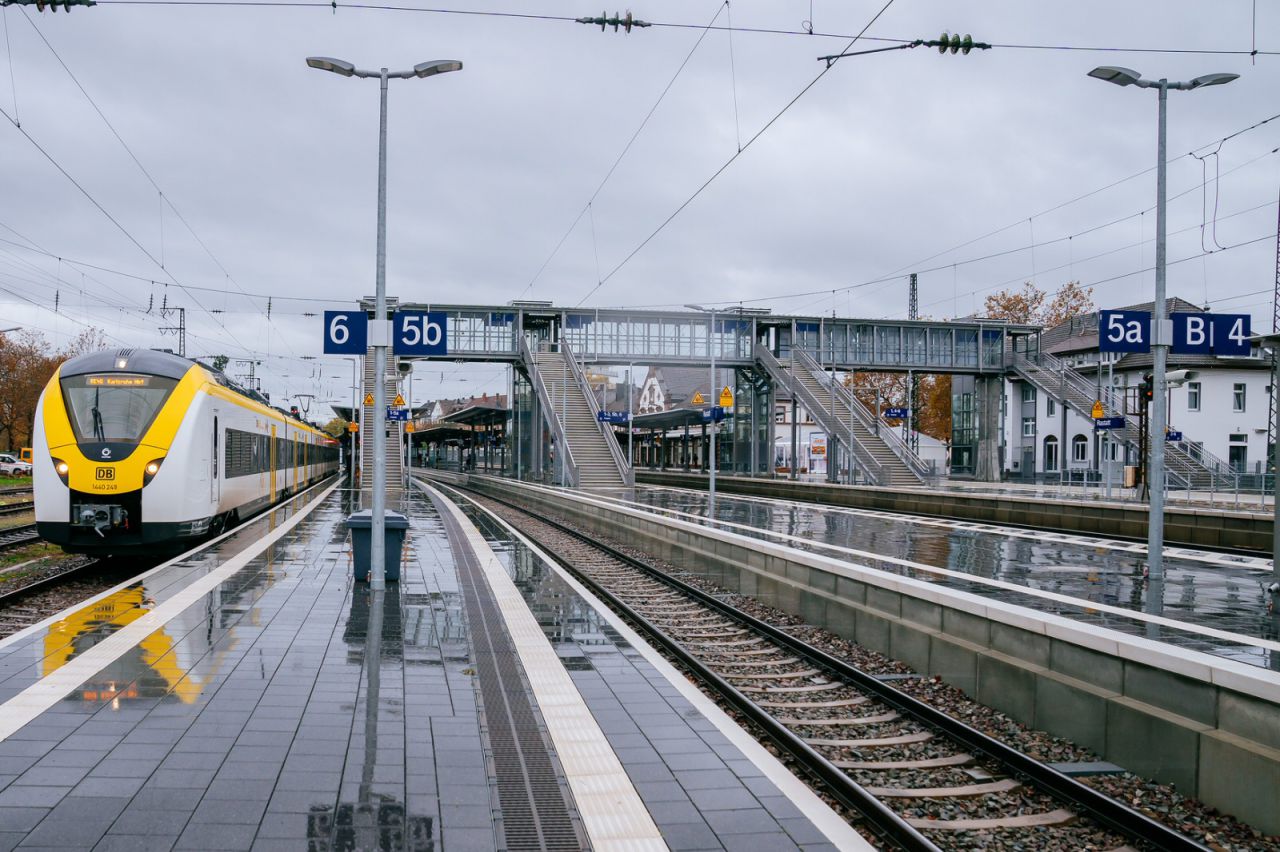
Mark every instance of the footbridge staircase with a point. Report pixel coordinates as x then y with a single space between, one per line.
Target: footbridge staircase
1188 464
880 454
591 457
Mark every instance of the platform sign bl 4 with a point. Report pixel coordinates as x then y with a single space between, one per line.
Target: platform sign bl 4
346 332
420 333
1124 331
1211 334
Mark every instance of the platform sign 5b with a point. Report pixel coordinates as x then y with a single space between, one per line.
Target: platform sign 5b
346 332
420 333
1124 331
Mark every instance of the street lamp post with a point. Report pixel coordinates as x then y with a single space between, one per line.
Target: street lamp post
377 547
711 440
1272 341
1160 333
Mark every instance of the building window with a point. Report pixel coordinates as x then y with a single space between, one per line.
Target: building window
1028 427
1079 448
1193 396
1049 406
1051 453
1237 397
1028 393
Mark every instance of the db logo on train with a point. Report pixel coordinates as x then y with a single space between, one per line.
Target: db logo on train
105 473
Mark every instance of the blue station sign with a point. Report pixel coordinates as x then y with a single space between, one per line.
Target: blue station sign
346 332
1124 331
896 413
401 414
612 416
1105 423
1211 334
420 333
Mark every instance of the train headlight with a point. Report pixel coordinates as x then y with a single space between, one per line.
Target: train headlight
62 468
149 472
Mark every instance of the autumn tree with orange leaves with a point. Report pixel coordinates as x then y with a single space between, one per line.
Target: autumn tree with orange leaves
27 361
1032 306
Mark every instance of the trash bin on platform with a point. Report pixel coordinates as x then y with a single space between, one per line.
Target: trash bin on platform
1131 476
361 526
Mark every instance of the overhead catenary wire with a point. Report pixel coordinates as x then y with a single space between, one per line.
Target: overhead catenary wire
625 148
334 5
164 199
732 159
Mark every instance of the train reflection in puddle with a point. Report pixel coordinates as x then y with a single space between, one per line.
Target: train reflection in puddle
159 667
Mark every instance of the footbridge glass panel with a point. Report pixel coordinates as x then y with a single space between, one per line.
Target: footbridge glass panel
657 337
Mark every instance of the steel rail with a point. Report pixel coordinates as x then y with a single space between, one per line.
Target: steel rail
1100 807
45 583
18 508
12 537
882 819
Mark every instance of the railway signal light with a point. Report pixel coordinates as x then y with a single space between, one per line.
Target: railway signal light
1147 390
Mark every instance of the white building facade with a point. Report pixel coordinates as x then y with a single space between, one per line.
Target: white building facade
1222 410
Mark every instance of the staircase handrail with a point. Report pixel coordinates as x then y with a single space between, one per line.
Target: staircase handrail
624 467
553 420
1201 461
798 391
864 416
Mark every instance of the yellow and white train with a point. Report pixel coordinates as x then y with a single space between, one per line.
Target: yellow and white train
141 451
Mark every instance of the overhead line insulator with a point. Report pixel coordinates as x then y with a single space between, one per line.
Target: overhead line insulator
626 22
52 4
955 43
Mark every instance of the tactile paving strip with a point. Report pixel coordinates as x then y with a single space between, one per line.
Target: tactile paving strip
535 808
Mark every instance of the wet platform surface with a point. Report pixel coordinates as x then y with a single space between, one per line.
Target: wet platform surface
700 789
1210 590
264 713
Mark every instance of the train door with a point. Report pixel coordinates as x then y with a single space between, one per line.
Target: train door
271 457
215 489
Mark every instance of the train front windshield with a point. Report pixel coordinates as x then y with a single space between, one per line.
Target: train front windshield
114 407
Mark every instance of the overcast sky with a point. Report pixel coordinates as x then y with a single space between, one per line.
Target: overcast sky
889 163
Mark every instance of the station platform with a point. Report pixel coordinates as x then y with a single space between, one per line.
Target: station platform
250 695
1208 601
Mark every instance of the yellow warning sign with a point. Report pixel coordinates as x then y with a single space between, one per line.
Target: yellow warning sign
408 427
368 399
399 403
726 397
1097 409
353 427
697 398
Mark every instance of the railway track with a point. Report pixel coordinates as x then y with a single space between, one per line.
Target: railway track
9 492
12 537
17 508
52 591
918 778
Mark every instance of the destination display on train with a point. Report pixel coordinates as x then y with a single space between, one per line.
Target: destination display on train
115 380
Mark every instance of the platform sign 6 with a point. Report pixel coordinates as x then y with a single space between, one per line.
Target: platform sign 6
346 332
420 333
1216 334
1124 331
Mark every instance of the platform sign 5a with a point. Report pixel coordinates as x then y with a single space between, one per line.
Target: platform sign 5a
420 333
346 332
1124 331
1211 334
401 414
